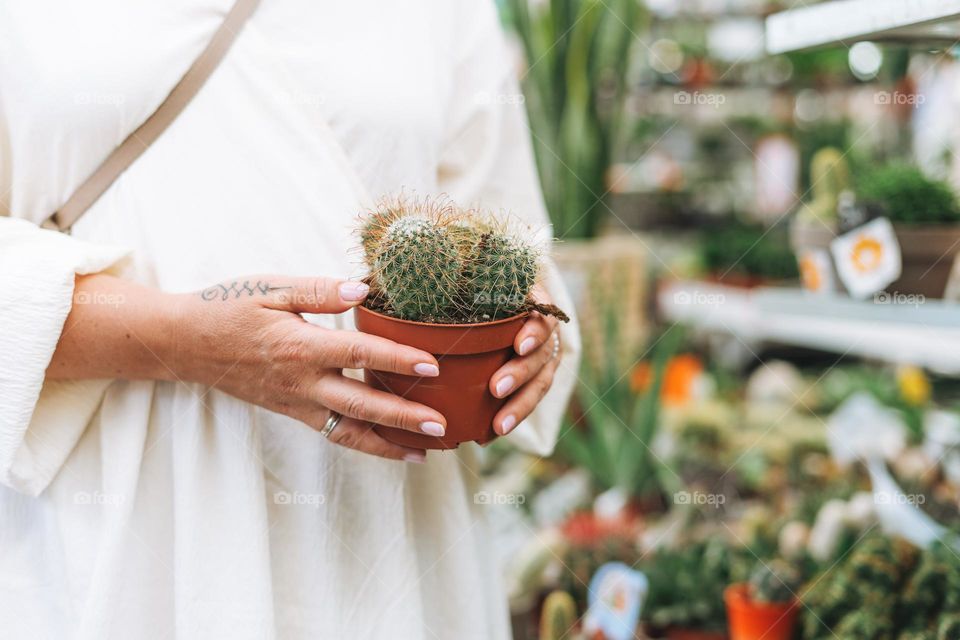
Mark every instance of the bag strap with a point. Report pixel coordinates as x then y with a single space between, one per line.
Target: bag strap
145 135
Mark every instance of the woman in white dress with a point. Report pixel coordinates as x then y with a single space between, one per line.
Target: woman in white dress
157 479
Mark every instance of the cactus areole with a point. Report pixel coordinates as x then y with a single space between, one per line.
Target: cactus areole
455 283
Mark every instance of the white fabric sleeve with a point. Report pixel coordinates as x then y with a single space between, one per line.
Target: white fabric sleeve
40 422
487 160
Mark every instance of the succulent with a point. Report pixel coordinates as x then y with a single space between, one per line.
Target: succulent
558 617
432 261
776 581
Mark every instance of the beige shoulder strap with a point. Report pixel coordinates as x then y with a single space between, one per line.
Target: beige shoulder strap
138 141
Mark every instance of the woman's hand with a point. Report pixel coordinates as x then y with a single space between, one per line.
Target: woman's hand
528 377
246 338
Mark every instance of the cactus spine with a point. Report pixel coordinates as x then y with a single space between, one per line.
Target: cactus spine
433 262
558 616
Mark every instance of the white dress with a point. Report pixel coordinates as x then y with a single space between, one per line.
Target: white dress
153 510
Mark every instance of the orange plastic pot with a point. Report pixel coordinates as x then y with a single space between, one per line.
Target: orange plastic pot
469 355
749 620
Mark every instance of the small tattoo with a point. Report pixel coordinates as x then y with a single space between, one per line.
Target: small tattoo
237 289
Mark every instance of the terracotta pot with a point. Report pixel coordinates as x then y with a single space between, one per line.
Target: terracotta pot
469 355
749 620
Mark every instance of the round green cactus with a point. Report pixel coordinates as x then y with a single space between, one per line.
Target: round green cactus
433 262
499 273
416 264
776 581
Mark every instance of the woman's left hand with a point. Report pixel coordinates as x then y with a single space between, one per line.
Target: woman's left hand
527 378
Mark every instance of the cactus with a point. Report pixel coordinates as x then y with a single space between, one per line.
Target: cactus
431 261
558 616
829 177
774 582
417 262
500 271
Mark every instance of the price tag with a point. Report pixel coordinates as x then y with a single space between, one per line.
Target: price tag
816 271
867 258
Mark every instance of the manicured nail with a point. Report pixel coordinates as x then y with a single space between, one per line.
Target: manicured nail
432 428
417 458
508 424
527 345
504 386
353 291
426 369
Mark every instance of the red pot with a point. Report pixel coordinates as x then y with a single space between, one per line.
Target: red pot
469 355
749 620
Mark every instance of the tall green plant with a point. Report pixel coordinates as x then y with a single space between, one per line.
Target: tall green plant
612 437
578 54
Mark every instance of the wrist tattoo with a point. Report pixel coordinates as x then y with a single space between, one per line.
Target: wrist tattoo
238 289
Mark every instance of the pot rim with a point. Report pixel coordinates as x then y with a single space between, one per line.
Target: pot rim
460 325
736 595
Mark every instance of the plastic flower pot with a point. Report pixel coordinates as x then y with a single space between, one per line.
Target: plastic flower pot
750 620
469 355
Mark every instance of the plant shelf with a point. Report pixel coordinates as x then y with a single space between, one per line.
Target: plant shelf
925 334
844 22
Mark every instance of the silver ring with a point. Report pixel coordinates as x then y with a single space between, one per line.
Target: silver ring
331 424
556 346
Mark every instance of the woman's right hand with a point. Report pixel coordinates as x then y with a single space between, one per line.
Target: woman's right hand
246 338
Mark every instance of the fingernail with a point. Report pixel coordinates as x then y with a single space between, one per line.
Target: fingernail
417 458
353 291
527 345
508 424
432 428
426 369
504 386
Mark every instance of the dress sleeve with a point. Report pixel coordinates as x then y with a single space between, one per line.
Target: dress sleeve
487 160
40 422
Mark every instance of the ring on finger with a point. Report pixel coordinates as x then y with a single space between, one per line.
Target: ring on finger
331 424
556 346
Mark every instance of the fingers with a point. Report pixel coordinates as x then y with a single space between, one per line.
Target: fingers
354 350
355 399
534 333
524 401
518 371
312 295
360 436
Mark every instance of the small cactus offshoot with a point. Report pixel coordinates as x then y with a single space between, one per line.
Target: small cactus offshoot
558 617
431 261
774 582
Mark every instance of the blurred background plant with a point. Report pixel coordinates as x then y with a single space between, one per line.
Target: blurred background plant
575 83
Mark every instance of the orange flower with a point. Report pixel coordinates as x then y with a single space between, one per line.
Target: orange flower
681 374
